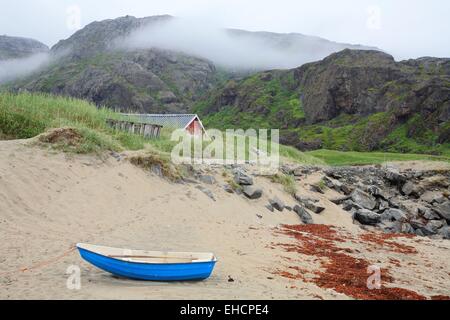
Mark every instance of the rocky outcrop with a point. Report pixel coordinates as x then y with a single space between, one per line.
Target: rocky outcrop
346 89
17 48
102 36
340 84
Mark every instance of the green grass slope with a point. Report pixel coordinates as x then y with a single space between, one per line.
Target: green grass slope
27 115
353 158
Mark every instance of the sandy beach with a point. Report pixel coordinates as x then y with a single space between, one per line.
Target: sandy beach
50 201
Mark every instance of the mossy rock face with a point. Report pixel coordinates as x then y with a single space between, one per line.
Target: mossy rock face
352 100
144 81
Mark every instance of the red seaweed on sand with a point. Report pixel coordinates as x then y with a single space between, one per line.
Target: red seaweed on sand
340 271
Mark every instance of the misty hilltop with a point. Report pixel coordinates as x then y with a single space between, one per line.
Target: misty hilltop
161 63
228 48
16 48
20 56
102 36
91 65
233 48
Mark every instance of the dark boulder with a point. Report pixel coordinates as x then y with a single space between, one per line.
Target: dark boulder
374 191
407 228
228 188
424 228
309 203
435 225
412 189
346 189
252 192
394 177
340 200
428 214
382 205
443 210
277 204
333 184
394 215
303 199
363 199
445 233
367 217
303 214
243 179
315 188
391 226
418 223
313 207
349 205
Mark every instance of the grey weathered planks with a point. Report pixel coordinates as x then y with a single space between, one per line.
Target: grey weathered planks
149 131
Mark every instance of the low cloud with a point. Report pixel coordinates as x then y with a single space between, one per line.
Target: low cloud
231 48
15 68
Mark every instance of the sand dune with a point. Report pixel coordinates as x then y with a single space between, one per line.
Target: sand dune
49 201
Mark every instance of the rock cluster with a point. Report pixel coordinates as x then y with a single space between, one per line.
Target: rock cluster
246 182
415 202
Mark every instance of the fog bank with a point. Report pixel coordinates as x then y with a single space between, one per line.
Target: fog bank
16 68
232 48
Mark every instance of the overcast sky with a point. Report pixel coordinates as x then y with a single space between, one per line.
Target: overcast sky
404 28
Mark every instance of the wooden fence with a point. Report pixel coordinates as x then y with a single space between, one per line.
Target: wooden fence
149 131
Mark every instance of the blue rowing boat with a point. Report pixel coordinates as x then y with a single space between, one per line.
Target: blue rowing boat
149 265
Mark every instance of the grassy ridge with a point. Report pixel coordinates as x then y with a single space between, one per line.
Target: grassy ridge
27 115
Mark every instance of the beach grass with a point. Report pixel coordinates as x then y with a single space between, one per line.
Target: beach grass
287 181
26 115
350 158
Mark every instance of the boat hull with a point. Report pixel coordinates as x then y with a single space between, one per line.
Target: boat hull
150 272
